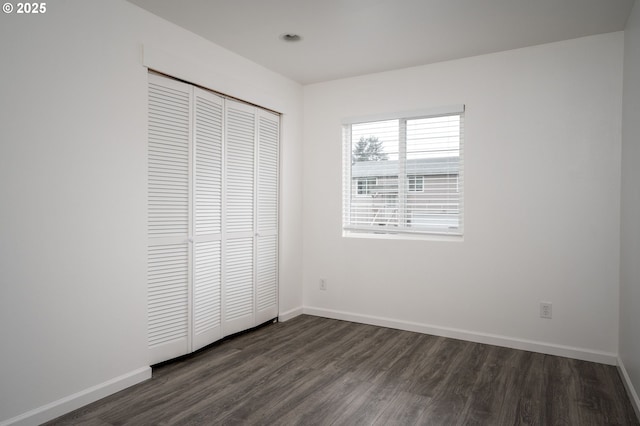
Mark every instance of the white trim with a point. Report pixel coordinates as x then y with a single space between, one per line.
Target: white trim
433 111
79 399
471 336
628 385
290 314
351 230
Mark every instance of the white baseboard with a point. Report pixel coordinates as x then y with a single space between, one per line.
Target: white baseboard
79 399
631 390
286 316
472 336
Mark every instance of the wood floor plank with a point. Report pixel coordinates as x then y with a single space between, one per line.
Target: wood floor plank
494 382
454 390
365 406
618 413
254 404
318 371
327 405
529 404
435 372
403 409
413 362
561 399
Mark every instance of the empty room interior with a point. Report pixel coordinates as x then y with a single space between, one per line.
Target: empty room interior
182 180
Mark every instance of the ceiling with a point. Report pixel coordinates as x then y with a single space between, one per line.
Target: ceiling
343 38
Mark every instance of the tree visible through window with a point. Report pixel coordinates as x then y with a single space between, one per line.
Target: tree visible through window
404 175
369 149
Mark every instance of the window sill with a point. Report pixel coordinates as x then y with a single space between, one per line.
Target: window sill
402 236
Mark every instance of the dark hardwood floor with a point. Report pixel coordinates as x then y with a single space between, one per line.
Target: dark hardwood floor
318 371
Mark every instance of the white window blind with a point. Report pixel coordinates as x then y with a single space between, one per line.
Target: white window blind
404 173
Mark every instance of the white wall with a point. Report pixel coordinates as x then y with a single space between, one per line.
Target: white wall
73 190
630 231
542 170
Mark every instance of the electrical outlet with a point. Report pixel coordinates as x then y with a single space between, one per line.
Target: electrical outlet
323 284
545 310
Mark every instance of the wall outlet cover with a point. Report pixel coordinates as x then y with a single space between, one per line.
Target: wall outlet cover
546 310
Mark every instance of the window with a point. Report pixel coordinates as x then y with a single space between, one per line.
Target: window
366 186
416 183
403 174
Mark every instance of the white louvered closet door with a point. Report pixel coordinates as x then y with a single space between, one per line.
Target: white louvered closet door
238 240
267 217
207 218
212 215
168 260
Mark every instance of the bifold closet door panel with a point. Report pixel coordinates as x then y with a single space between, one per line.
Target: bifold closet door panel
267 217
238 218
207 218
168 263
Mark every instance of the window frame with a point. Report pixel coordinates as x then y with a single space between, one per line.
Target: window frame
403 229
